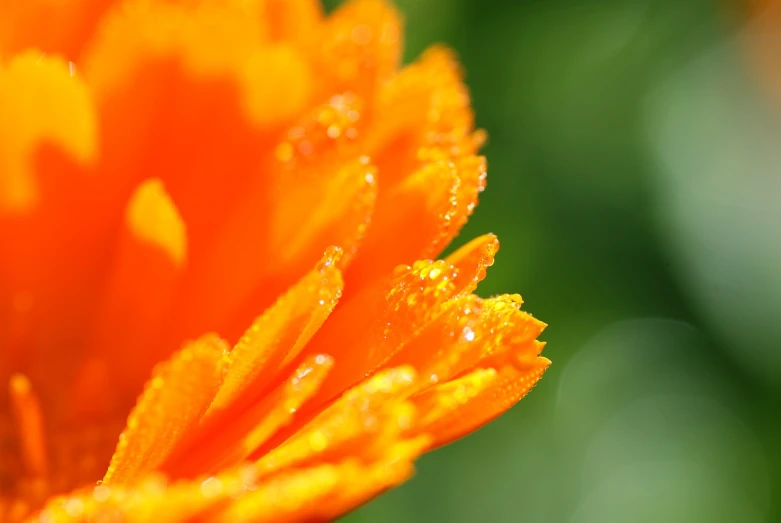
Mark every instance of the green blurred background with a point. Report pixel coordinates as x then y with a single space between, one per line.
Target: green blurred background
633 184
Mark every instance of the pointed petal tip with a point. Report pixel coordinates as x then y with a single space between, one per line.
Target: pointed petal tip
473 260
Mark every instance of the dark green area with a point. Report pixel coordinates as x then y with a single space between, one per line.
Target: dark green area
654 409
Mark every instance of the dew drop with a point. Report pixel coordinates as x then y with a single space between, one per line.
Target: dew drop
333 131
74 507
211 487
101 493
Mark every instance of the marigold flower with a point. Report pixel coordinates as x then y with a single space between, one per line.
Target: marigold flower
169 170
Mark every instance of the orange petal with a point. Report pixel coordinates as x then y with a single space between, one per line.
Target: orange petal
472 260
362 423
324 136
149 499
306 201
374 479
279 334
324 492
434 201
340 211
297 391
173 402
289 20
503 333
155 55
468 334
47 146
318 209
149 263
504 329
41 103
423 143
274 340
161 55
423 113
454 409
373 325
68 25
358 47
276 85
442 345
442 400
461 342
231 435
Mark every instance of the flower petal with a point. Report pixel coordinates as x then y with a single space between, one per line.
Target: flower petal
273 341
504 331
470 333
173 402
442 400
149 56
304 202
479 398
361 423
148 265
279 334
148 499
358 48
366 329
423 143
288 20
48 144
68 25
437 350
434 201
231 435
472 260
323 492
40 103
459 356
423 114
156 55
326 206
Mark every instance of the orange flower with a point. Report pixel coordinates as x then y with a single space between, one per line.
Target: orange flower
171 169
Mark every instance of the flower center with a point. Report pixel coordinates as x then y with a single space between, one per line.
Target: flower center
38 460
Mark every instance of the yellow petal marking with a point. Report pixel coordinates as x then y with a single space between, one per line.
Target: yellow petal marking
152 217
40 102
